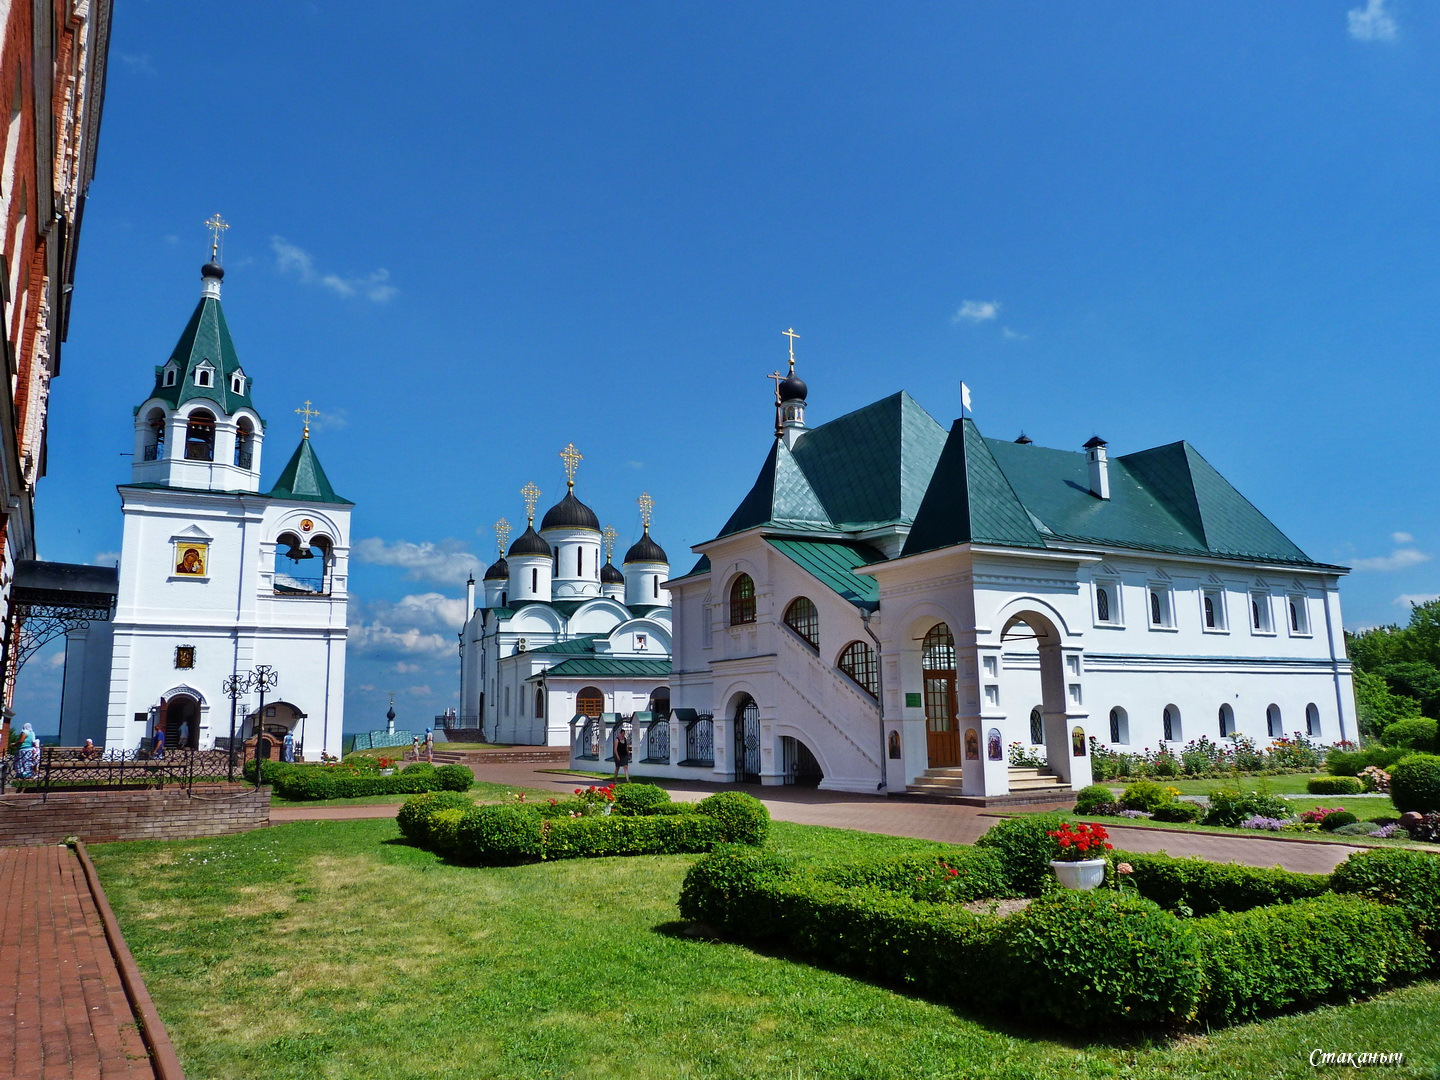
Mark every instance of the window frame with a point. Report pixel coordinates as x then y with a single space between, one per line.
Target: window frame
1119 728
1160 599
1216 598
1262 614
741 607
1297 611
1111 588
811 639
866 672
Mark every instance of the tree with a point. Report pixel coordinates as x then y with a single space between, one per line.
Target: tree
1378 706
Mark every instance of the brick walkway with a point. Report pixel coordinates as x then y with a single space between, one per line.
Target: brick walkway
63 1009
899 817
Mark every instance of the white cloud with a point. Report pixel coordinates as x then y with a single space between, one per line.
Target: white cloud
430 609
447 561
105 558
1372 22
377 637
330 419
1409 599
56 661
1400 559
1013 335
420 691
138 62
402 668
1402 538
977 311
292 259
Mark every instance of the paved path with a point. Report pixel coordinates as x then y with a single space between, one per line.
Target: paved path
899 817
63 1009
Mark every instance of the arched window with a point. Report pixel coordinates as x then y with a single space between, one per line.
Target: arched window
1171 723
660 702
170 377
1102 604
155 435
1274 726
742 600
200 436
1119 726
1255 614
244 443
1294 618
1227 721
535 579
1037 728
590 701
858 661
802 617
937 653
1156 616
1210 612
539 704
1312 719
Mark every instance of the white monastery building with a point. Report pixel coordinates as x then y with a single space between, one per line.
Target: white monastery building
562 647
216 576
894 604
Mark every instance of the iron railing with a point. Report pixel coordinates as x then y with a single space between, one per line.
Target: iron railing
199 452
700 742
657 741
153 451
69 768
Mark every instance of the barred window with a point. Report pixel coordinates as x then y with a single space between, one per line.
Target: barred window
858 661
742 600
802 617
938 649
1037 728
1102 605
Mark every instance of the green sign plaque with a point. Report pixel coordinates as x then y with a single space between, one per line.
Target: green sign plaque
912 701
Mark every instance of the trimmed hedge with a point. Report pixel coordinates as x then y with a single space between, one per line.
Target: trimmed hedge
641 799
1407 880
1351 762
955 877
1094 799
1179 811
1415 783
311 782
1334 785
1025 849
414 815
1290 956
1208 887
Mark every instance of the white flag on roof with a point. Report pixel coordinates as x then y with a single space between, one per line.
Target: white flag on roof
964 396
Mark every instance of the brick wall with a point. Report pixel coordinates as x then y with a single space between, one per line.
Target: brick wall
166 814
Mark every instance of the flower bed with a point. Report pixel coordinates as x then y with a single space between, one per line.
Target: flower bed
1235 755
1267 941
632 820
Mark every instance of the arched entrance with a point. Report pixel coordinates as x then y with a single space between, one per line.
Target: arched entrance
747 740
942 730
801 767
181 722
1054 703
659 703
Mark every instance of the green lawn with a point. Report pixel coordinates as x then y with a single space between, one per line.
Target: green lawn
480 791
333 950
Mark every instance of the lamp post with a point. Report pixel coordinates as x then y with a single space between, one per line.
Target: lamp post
262 679
234 687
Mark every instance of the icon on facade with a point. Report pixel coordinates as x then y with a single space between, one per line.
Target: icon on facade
972 744
190 558
184 656
993 746
1077 742
895 745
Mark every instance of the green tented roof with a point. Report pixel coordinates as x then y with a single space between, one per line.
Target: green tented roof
608 667
206 337
303 479
833 563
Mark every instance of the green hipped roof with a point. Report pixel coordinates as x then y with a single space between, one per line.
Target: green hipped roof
863 470
303 480
833 562
1018 494
608 667
206 337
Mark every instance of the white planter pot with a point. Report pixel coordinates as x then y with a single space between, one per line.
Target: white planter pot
387 772
1085 874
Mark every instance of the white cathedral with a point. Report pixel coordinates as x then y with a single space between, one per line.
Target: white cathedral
894 604
216 577
562 647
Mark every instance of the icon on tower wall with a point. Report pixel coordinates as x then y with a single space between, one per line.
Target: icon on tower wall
191 558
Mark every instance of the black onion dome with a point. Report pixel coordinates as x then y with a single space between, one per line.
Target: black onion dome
529 543
792 387
212 269
570 513
646 550
500 571
609 575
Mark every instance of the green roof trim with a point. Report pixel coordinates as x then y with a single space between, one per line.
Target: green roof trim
304 480
608 667
702 566
832 563
575 646
205 337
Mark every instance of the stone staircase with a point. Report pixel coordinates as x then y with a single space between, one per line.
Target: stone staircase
1026 786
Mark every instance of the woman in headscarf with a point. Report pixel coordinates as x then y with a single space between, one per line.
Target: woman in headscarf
28 756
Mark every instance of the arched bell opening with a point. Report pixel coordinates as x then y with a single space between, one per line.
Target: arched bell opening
303 565
200 436
154 445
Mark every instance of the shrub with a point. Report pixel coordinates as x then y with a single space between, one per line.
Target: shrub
1334 785
614 834
1422 826
1095 799
454 778
1146 795
1207 887
1415 783
1351 762
641 799
414 814
1375 779
1179 811
1356 828
743 818
1288 956
1098 958
444 829
1025 849
1267 824
418 768
1230 806
1416 733
499 834
1408 880
722 890
1337 819
955 877
1319 814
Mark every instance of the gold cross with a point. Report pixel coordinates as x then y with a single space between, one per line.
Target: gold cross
792 336
308 413
531 494
777 377
609 535
502 535
216 225
647 504
572 459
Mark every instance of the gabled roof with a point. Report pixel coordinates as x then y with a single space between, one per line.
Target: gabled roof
303 479
833 562
866 469
206 337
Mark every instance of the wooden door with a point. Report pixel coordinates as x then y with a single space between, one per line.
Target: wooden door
942 734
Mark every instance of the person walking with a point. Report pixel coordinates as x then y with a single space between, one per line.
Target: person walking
287 749
158 751
415 748
27 756
429 746
622 751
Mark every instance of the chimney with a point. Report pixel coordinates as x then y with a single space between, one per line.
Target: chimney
1099 467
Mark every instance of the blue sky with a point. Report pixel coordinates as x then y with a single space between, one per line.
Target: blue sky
472 233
